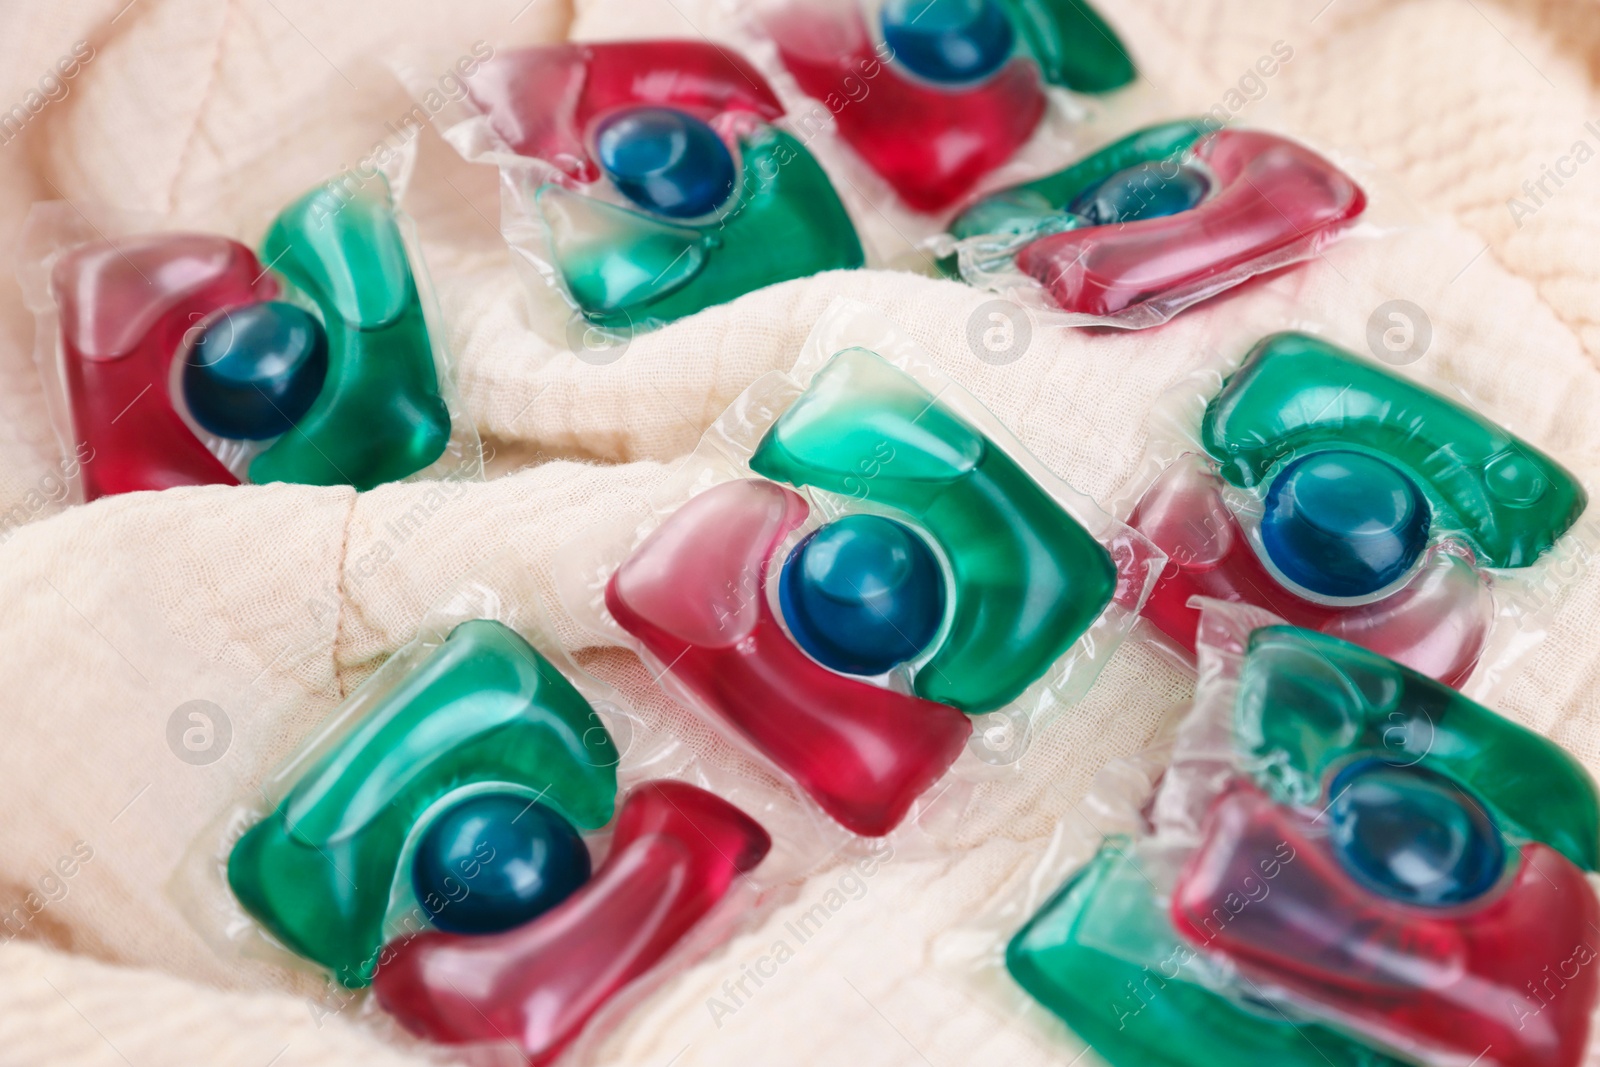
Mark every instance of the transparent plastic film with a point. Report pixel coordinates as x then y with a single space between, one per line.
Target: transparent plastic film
644 180
187 358
1343 861
484 844
1356 498
859 543
923 105
1160 219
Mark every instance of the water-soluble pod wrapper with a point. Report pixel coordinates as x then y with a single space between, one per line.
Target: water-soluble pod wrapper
186 358
1153 223
1350 499
858 565
486 837
1345 863
647 180
935 96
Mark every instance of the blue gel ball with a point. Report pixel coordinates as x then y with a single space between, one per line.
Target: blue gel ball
862 594
254 370
495 861
666 161
950 42
1146 191
1344 524
1412 835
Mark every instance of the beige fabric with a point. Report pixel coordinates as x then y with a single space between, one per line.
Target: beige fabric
275 601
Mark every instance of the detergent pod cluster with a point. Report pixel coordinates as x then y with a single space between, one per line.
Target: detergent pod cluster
187 358
936 95
1349 499
488 839
1155 222
1345 863
857 568
648 180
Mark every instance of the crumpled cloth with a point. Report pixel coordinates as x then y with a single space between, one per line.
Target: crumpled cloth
273 602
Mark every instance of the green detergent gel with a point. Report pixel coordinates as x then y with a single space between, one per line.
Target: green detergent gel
1296 394
483 709
624 267
379 416
1027 580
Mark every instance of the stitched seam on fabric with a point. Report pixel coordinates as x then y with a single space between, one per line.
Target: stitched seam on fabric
204 103
344 596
